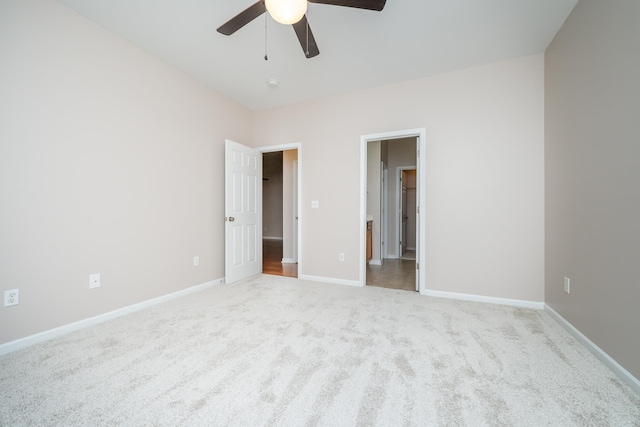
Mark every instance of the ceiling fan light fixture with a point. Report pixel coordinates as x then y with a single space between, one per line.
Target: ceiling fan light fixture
286 11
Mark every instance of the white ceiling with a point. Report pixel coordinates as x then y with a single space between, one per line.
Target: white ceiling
359 49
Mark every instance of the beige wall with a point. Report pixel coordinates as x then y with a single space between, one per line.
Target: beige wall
592 159
111 162
484 156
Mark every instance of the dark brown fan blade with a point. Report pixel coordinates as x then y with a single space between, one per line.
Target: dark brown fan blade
243 18
307 41
360 4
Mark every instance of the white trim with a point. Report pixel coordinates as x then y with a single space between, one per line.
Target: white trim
91 321
289 261
271 238
421 217
330 280
375 262
279 147
624 375
480 298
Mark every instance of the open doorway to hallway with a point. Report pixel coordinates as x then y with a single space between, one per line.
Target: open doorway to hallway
279 213
391 203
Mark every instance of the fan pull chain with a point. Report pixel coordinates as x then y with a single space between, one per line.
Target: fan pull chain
266 18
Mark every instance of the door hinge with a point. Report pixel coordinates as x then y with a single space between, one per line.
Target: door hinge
417 266
417 209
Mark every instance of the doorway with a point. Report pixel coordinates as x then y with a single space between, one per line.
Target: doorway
280 213
397 268
398 251
244 207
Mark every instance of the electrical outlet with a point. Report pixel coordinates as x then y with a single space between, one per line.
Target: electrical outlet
341 256
567 285
94 280
11 297
196 260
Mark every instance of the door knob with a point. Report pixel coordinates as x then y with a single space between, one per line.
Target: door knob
231 219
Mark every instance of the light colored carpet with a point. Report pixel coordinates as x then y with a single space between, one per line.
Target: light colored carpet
280 351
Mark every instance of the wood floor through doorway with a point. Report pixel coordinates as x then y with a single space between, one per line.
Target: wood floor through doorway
393 274
272 260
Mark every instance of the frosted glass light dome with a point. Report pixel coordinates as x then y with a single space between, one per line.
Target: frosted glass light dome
286 11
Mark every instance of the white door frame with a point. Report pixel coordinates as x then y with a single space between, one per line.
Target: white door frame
297 210
420 133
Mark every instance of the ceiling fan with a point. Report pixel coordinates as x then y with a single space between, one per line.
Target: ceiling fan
300 26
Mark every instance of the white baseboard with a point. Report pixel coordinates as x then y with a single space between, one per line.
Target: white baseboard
624 375
375 262
91 321
289 261
480 298
330 280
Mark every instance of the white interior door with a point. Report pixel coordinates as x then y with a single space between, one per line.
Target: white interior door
243 212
